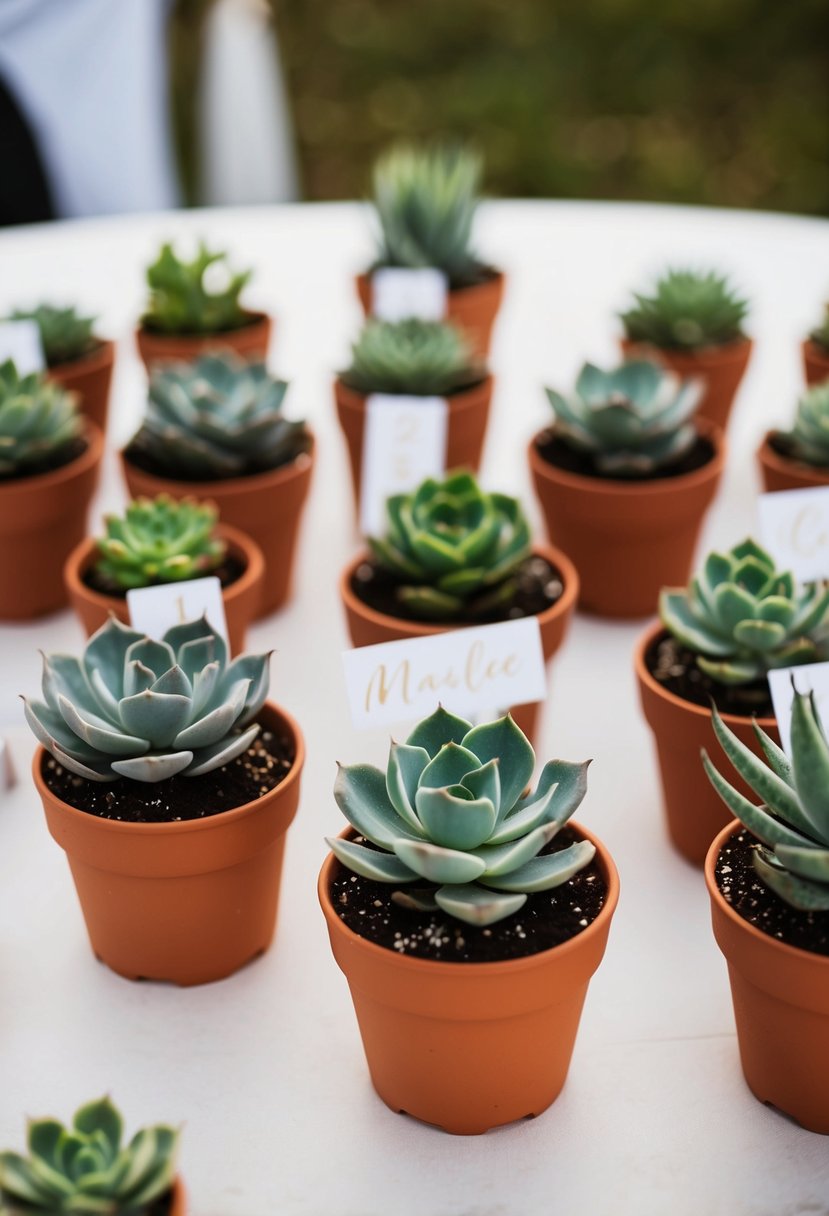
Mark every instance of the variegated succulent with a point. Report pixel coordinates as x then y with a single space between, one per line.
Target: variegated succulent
39 421
181 301
415 357
138 708
159 540
809 437
64 333
450 811
687 310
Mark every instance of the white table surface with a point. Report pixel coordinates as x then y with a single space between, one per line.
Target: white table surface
266 1070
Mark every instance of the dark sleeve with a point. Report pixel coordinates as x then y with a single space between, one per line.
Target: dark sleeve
25 197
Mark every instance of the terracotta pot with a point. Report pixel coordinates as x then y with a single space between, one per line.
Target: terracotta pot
781 1007
266 506
468 415
722 368
89 377
694 810
178 1199
627 539
250 341
785 473
188 902
815 362
241 598
367 627
42 518
472 309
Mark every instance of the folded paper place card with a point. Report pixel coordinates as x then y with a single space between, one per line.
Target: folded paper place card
20 341
404 441
398 292
154 610
808 677
462 669
794 527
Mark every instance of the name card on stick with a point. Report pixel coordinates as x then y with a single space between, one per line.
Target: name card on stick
20 341
808 677
398 292
403 442
794 527
154 610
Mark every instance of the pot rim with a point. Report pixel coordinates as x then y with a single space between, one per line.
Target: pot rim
254 482
101 354
817 351
253 318
353 399
82 463
495 280
768 455
709 356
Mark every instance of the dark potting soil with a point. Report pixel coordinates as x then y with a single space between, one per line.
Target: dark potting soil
227 573
539 586
562 456
674 666
547 919
745 891
75 448
257 771
782 445
136 455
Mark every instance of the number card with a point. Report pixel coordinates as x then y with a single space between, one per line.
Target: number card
794 527
20 341
154 610
808 677
403 442
398 292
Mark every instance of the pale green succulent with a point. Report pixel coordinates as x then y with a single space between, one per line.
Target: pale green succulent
742 616
64 333
821 334
39 421
159 540
632 420
452 547
180 302
85 1170
138 708
451 811
809 437
792 823
415 357
688 310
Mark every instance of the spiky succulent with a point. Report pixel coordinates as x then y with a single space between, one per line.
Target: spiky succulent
792 823
632 420
138 708
809 437
742 616
181 301
64 333
420 358
39 421
452 547
216 417
159 541
821 334
687 310
451 811
84 1169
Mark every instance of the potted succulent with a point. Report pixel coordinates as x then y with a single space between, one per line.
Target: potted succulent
799 459
215 429
624 478
87 1170
164 540
425 202
468 920
170 782
774 932
187 316
50 459
715 642
454 555
816 352
692 323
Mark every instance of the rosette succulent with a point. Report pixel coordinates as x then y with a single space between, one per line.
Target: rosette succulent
687 310
450 811
452 547
85 1169
821 334
419 358
630 421
181 301
159 541
742 616
809 437
64 333
39 422
138 708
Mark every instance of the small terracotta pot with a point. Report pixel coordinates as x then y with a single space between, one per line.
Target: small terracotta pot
367 627
468 415
42 518
781 472
781 1007
250 341
694 810
472 309
178 1199
241 598
721 367
815 362
469 1046
266 506
89 377
188 902
627 539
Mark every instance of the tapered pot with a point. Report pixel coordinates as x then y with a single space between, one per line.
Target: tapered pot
720 367
472 309
240 598
627 539
815 362
250 341
470 1046
694 811
178 1199
42 518
781 472
188 902
781 1008
90 377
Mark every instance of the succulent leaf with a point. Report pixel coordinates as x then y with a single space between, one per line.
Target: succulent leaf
687 310
64 333
39 422
159 540
180 300
412 358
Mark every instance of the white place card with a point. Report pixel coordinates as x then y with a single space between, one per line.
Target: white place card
404 441
808 677
463 669
6 769
398 292
794 527
154 610
20 341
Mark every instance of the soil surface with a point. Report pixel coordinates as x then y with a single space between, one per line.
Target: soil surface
137 456
562 456
674 666
227 573
783 446
75 448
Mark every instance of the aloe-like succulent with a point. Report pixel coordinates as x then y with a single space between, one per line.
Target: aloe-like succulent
632 420
181 302
452 547
159 541
808 439
792 822
420 358
216 417
64 333
820 335
742 616
145 709
451 811
687 310
85 1169
39 421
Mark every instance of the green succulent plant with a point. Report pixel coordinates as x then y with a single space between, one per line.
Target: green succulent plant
450 810
453 547
64 333
792 823
821 334
84 1169
39 421
742 616
159 540
138 708
180 301
632 420
809 437
216 417
687 310
420 358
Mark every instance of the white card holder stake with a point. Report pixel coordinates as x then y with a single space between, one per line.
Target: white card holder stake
404 441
